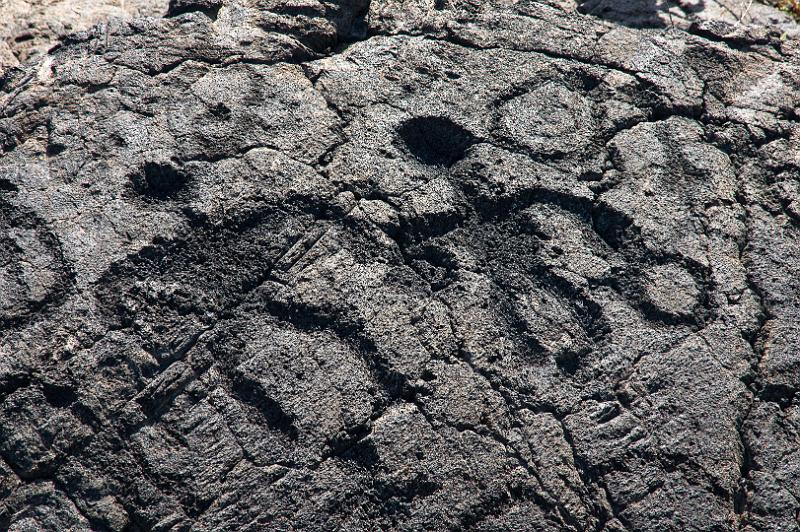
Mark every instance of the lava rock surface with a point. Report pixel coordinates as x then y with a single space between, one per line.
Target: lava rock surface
384 265
29 28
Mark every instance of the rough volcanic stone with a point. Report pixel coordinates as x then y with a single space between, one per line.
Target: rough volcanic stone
420 265
28 28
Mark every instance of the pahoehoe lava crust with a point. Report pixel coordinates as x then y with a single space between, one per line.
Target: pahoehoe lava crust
383 265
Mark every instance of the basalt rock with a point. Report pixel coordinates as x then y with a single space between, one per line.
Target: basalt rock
28 28
420 265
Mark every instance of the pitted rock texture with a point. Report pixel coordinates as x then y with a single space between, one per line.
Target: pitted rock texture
420 265
29 28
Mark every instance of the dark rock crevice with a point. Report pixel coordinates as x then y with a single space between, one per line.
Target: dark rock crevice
400 265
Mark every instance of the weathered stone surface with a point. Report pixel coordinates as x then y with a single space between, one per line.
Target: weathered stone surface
28 28
421 265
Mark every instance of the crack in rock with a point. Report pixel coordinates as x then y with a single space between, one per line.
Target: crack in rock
383 265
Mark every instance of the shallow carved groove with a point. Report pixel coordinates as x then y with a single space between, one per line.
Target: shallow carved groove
381 265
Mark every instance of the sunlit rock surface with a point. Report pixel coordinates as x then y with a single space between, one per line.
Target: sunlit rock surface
420 265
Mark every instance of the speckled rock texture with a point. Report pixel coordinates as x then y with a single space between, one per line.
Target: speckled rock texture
28 28
419 265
